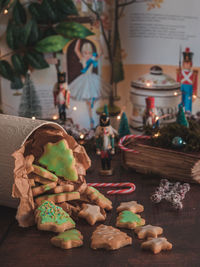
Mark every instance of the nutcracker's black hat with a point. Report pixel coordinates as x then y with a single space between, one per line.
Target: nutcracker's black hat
61 77
104 120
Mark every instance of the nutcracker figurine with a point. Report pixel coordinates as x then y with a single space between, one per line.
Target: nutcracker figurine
105 144
188 79
150 117
61 96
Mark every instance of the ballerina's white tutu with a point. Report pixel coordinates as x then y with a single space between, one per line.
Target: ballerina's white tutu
89 85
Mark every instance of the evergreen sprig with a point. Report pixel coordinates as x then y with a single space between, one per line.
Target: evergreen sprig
166 134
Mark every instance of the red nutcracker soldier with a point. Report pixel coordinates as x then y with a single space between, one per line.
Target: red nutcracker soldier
150 117
105 143
188 79
61 96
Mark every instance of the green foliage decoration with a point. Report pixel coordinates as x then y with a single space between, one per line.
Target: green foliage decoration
123 126
19 13
190 135
53 43
40 28
181 119
73 30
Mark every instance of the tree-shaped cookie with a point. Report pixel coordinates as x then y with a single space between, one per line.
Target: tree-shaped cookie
128 219
50 217
109 238
95 196
58 157
69 239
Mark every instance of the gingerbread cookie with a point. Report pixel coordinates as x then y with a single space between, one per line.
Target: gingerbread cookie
69 239
109 238
44 173
156 244
63 188
39 179
92 213
95 196
70 209
50 217
132 206
148 231
58 157
58 198
128 219
38 190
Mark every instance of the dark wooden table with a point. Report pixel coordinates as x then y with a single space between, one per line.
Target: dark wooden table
30 247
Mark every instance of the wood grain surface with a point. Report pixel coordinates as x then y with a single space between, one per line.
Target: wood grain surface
29 247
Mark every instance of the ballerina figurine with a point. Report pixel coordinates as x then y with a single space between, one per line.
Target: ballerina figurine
88 86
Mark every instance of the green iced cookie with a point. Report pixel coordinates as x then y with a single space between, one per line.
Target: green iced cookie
57 157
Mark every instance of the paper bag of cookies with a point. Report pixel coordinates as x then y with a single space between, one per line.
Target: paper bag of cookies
49 166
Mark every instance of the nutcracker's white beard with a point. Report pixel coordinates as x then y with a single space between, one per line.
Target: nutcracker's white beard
106 142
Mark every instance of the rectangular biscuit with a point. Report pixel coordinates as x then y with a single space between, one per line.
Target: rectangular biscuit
43 188
63 188
58 198
44 173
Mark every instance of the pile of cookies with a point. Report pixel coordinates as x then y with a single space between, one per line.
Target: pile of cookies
55 169
128 218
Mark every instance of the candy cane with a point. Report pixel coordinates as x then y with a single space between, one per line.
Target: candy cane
132 136
129 190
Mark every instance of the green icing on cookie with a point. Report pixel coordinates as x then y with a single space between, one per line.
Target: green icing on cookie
59 159
97 193
45 173
127 216
51 213
69 235
46 187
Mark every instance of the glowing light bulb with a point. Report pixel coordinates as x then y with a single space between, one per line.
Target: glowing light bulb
157 118
55 117
194 96
74 108
175 93
156 134
82 136
33 118
5 11
148 84
118 117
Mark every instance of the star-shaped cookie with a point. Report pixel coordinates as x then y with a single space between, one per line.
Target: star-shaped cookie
131 205
156 244
148 231
92 213
109 238
69 239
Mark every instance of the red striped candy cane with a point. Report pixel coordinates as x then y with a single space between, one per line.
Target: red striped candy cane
129 190
132 136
